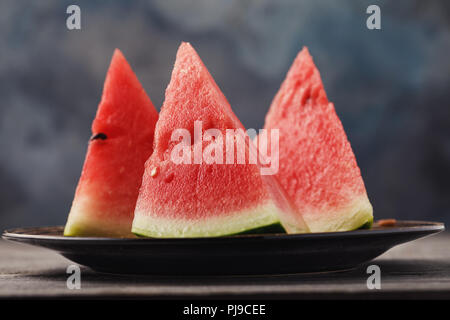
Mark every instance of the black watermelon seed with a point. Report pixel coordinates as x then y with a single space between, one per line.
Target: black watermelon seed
100 135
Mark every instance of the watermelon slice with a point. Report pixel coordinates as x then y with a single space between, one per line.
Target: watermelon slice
121 143
200 198
317 167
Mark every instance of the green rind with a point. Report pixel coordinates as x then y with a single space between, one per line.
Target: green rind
367 225
270 229
275 228
256 217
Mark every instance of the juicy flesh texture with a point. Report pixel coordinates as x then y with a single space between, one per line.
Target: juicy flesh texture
317 168
108 187
190 193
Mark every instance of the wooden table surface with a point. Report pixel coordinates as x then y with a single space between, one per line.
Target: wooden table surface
419 269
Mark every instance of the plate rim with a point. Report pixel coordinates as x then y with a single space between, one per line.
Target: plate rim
424 226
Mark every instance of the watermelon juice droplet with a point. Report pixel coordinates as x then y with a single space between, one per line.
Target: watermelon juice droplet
169 177
154 172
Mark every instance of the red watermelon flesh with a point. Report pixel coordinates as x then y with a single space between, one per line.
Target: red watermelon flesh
201 199
122 141
317 167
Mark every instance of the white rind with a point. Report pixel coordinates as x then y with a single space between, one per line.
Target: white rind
352 217
83 221
146 224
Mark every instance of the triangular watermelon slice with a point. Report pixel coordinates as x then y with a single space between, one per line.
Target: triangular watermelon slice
317 166
122 141
193 199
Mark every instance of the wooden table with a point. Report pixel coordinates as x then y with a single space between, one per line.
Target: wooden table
420 269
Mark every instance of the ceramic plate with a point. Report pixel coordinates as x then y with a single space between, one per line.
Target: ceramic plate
232 255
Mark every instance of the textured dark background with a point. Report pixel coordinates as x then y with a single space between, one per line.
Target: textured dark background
390 87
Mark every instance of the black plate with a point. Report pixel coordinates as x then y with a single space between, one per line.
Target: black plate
233 255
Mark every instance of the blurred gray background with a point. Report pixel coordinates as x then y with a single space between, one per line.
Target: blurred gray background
390 87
